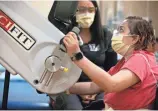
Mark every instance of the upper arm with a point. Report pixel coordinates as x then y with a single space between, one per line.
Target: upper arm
130 74
124 79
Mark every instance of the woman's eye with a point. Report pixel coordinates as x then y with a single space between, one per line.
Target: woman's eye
121 29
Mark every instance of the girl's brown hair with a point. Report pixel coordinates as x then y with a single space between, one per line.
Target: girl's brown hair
139 26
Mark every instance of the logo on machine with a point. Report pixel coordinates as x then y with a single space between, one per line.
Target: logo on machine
15 31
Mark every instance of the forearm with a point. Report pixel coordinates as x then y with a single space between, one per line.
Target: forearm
96 74
85 88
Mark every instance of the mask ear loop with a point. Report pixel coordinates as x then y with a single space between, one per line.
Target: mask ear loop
129 35
127 50
130 46
132 36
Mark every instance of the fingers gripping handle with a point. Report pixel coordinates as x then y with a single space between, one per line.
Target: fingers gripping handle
76 30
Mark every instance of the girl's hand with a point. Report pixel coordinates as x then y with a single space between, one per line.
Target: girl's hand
87 98
71 42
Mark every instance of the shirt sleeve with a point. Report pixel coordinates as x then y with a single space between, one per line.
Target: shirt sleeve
137 65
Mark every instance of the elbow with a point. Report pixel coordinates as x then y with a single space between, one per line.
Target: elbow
112 87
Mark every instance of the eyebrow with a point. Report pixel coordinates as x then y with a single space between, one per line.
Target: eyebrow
121 26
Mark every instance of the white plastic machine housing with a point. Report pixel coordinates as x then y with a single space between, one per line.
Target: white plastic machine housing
29 46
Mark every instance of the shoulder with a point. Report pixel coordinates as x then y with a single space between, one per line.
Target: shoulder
107 31
139 60
139 63
107 34
107 38
142 55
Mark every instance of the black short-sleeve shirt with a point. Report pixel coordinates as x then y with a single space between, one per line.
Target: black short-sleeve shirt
104 59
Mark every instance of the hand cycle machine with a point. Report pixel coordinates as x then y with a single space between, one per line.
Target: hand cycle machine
31 46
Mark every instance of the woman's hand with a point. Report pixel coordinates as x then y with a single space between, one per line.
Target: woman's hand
71 42
87 98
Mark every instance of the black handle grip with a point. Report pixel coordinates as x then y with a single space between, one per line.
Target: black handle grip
76 30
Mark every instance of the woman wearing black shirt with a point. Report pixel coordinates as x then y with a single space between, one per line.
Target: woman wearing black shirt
96 47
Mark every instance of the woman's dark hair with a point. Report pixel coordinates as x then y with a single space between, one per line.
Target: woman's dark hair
156 39
96 28
139 26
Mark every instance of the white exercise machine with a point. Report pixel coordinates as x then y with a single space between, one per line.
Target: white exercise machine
30 45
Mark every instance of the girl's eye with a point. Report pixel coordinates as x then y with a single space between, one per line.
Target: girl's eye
121 29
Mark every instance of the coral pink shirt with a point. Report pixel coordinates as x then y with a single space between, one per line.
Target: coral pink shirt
143 93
